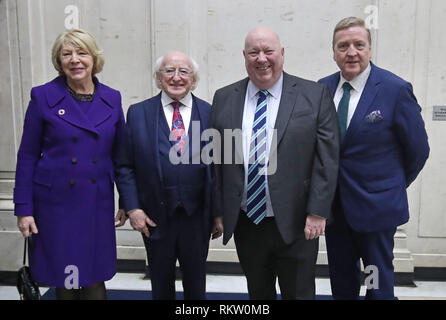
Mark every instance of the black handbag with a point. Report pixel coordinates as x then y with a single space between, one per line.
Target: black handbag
27 287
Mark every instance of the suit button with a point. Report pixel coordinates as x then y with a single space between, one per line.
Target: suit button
72 182
95 160
93 180
75 138
74 160
162 203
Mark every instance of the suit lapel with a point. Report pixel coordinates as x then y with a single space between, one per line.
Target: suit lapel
286 106
333 84
368 95
65 108
101 109
290 97
198 107
203 120
71 113
152 120
237 103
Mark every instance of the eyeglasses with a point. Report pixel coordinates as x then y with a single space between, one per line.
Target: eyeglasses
170 72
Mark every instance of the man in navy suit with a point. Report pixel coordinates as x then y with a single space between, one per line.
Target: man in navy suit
168 200
384 146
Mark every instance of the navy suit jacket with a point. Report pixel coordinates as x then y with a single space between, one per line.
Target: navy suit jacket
140 176
383 151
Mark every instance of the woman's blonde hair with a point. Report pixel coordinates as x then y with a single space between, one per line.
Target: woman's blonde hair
81 39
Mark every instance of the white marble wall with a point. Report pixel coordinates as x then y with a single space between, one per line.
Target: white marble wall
409 41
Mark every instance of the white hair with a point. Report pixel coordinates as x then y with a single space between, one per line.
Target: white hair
159 63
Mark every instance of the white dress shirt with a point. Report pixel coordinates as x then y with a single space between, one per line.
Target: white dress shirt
185 109
358 85
272 108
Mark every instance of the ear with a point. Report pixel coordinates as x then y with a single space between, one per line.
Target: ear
194 82
158 81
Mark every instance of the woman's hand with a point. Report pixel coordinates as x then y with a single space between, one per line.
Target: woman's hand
121 217
27 225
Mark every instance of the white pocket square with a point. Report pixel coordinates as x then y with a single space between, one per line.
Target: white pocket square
374 117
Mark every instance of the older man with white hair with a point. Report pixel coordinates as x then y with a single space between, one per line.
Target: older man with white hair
169 203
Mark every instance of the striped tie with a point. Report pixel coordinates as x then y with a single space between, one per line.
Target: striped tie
256 190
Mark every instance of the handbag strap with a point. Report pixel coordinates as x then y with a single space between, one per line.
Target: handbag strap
24 252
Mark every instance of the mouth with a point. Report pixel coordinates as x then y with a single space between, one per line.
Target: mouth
263 68
176 88
76 69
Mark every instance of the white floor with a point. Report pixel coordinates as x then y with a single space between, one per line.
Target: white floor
237 284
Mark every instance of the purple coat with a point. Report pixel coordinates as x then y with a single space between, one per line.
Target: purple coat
64 178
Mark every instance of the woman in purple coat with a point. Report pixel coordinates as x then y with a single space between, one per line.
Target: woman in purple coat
64 194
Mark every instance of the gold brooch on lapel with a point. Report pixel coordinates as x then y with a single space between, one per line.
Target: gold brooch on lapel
61 112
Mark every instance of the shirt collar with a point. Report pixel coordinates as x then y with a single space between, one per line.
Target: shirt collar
186 101
359 82
275 91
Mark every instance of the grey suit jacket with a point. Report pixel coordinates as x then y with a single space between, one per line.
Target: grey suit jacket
307 156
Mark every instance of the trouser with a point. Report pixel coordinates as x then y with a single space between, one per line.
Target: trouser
345 248
265 257
183 241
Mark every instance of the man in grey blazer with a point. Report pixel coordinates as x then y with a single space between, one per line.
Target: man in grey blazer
277 177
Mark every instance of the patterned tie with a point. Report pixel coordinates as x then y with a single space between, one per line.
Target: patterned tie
256 190
343 109
178 131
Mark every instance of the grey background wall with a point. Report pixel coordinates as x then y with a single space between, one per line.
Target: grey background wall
408 39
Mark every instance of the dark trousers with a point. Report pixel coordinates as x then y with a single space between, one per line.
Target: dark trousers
345 248
183 241
265 257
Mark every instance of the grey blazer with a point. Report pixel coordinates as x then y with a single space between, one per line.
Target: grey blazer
307 156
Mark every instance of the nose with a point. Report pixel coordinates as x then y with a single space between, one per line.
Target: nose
74 58
176 75
351 50
262 56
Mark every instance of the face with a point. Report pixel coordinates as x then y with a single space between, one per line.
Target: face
176 75
77 63
264 57
352 51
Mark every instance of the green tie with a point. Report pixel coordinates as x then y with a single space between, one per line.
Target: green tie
343 109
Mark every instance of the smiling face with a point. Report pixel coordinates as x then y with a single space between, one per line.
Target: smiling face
77 63
352 51
264 57
176 75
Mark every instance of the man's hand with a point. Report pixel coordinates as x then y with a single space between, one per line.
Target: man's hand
27 225
217 230
139 221
121 217
314 227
